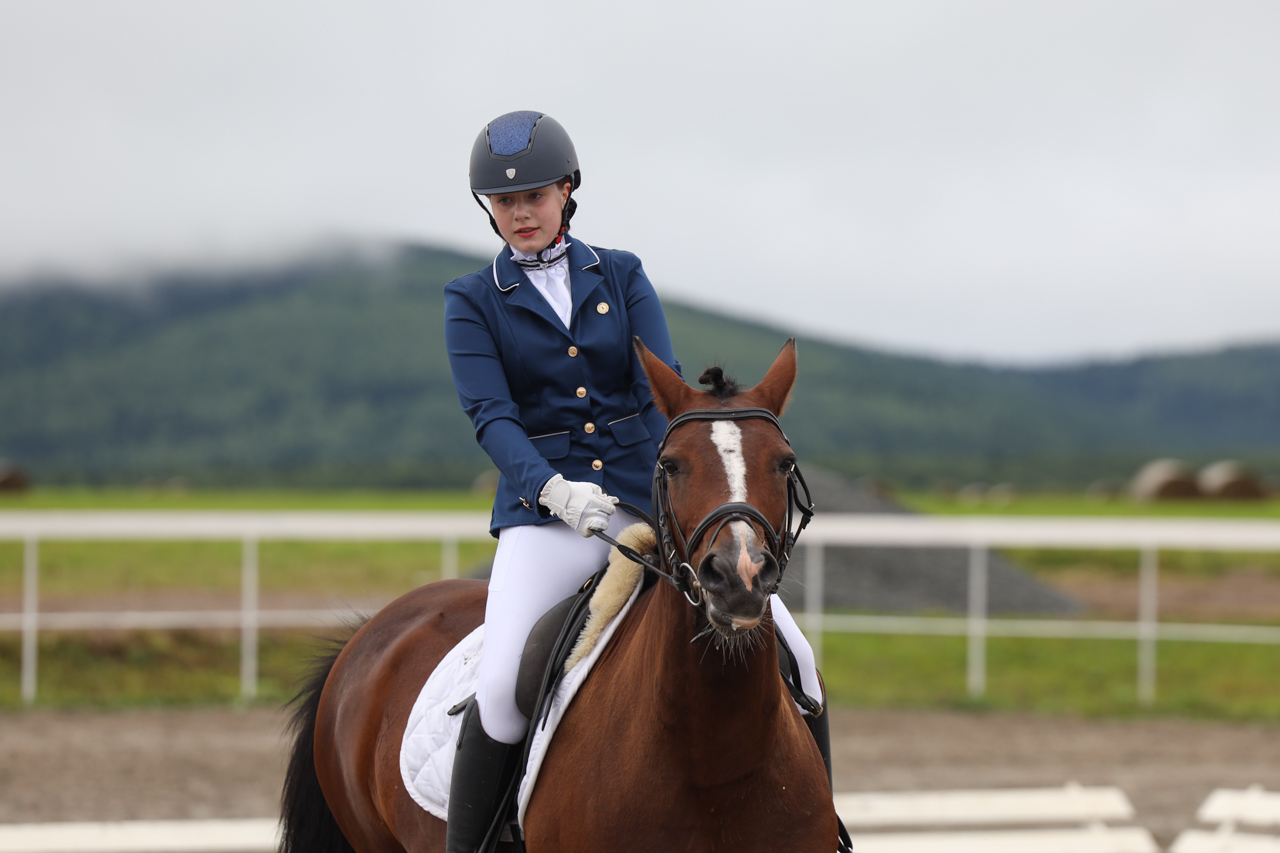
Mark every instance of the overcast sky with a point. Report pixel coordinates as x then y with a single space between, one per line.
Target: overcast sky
1016 182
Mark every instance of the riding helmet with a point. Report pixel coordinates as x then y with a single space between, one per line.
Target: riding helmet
521 151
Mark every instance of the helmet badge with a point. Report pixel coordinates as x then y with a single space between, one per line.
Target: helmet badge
511 173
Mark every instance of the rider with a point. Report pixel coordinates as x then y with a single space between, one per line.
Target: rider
540 347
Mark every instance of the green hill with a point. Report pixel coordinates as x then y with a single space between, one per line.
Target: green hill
335 373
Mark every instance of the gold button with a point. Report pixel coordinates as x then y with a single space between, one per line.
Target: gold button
596 465
602 308
590 428
582 392
573 352
526 503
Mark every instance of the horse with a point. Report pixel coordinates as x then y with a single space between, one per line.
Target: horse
683 737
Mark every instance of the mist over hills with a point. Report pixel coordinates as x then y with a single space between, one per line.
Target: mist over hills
334 372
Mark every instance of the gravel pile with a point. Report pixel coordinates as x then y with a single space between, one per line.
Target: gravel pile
909 580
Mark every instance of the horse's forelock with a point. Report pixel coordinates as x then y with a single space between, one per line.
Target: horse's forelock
722 387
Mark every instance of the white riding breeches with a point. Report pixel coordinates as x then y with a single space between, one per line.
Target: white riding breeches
536 567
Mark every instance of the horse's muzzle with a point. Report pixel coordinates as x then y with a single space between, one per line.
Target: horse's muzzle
737 586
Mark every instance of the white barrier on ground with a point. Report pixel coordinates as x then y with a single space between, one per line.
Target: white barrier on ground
1227 808
256 835
914 813
911 812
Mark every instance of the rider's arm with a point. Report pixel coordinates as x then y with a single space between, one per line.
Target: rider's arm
649 323
486 398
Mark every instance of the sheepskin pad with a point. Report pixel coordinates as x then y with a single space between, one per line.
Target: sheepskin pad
431 735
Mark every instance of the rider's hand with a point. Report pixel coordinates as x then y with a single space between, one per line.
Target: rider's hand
583 506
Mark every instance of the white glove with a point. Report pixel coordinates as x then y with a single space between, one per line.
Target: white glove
583 506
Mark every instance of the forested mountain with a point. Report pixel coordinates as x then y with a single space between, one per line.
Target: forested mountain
335 372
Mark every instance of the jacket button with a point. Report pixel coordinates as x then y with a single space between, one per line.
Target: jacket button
590 428
526 503
596 464
582 392
602 308
573 352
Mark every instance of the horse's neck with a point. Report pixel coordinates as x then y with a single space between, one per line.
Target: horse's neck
727 704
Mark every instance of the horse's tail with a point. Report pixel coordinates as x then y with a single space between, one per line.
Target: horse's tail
307 824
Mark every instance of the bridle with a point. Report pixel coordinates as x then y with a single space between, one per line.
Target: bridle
674 550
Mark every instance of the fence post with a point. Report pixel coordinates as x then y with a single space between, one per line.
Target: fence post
814 596
1148 601
249 619
977 680
30 617
448 559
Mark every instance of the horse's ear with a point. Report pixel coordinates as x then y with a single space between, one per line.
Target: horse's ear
774 391
670 393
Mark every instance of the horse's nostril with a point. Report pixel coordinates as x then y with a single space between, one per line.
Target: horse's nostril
769 574
713 574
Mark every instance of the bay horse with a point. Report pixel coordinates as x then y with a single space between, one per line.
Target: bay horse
684 736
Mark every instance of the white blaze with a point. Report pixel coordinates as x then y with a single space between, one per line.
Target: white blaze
727 438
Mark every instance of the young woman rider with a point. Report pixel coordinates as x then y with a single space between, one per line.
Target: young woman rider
540 347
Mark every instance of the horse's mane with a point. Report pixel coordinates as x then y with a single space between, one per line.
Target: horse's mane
722 387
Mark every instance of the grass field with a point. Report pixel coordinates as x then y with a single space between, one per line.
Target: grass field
1075 504
83 568
243 499
1090 677
129 668
338 568
1094 678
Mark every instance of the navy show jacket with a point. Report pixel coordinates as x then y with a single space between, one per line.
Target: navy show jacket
547 400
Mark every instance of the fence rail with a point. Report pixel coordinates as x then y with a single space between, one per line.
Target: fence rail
978 534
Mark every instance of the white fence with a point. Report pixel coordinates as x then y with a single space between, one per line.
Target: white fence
978 534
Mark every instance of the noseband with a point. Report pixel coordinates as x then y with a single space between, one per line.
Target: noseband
675 551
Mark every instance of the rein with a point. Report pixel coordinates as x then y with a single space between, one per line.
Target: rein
676 570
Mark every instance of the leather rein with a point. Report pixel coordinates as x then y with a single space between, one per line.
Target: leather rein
674 550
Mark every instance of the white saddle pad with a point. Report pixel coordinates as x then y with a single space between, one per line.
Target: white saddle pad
431 735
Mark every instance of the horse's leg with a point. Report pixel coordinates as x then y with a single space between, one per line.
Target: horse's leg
365 707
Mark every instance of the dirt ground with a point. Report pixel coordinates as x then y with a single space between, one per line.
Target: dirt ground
1245 594
201 763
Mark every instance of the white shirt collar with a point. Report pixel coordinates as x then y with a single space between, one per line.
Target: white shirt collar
559 254
551 280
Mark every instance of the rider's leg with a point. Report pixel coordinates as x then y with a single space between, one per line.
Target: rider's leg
810 681
534 569
785 624
482 769
820 728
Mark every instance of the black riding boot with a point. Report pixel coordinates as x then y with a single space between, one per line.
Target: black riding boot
482 770
820 728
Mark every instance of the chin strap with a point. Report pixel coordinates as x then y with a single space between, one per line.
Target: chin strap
493 223
566 213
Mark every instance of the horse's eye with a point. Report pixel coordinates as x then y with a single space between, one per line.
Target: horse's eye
670 467
787 466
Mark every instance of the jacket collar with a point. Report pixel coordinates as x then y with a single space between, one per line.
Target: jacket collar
584 277
507 274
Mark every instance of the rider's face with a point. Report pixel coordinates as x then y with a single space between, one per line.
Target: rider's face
530 219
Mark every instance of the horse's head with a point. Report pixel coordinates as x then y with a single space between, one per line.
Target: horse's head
720 481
